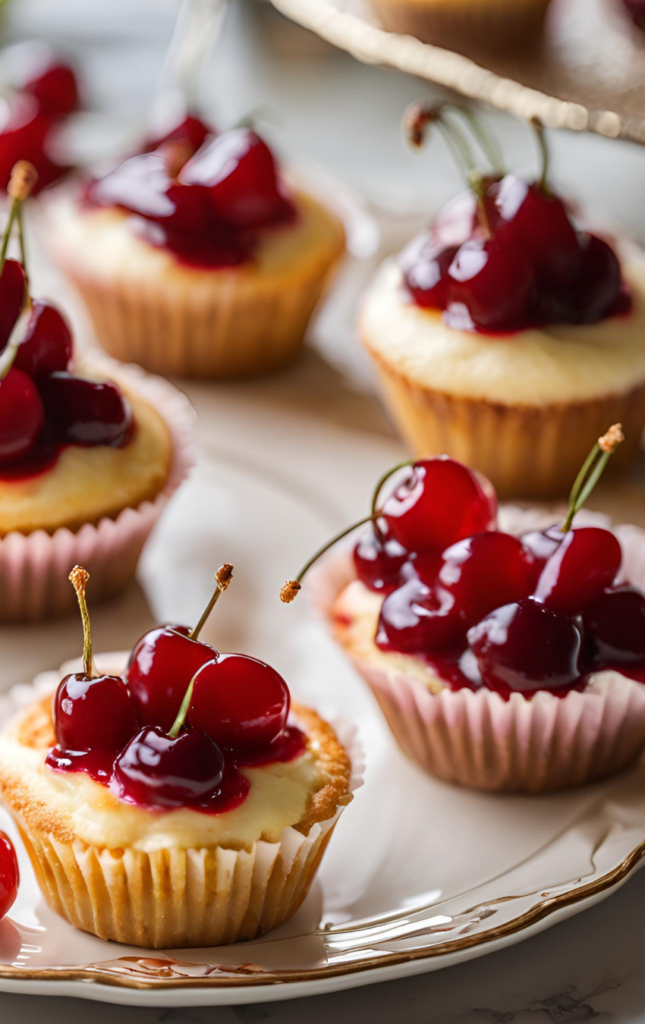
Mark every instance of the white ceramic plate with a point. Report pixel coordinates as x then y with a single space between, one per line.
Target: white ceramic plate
419 875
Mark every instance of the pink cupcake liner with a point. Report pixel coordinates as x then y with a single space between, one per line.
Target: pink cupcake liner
34 566
480 740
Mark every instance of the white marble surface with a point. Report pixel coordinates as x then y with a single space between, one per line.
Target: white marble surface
345 118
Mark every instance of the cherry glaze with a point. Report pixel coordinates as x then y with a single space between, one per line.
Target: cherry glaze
9 875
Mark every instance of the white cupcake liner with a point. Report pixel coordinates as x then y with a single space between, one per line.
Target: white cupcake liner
478 739
172 897
34 566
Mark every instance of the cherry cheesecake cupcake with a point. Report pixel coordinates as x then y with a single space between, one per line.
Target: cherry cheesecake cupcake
89 453
197 258
181 800
506 655
506 337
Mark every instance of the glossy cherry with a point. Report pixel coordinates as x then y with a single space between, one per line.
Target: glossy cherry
424 264
155 770
538 223
491 286
21 416
419 617
378 558
27 134
615 626
47 345
525 646
636 11
584 564
241 176
239 702
9 875
438 503
599 286
190 129
12 296
85 412
484 572
93 713
161 667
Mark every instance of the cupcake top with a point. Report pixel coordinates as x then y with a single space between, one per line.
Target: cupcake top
445 596
190 747
504 295
73 448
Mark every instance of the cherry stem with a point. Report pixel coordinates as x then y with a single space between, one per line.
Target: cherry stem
591 470
178 724
78 577
538 128
291 587
383 480
486 141
223 577
23 252
13 209
23 178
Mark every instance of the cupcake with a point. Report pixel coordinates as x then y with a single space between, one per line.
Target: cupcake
470 26
199 259
505 337
184 802
503 659
87 459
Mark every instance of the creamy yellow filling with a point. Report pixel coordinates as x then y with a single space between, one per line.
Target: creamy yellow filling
532 367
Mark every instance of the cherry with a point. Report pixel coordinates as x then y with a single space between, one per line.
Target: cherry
240 173
525 646
26 133
438 503
491 285
419 617
191 129
55 88
424 264
161 666
239 702
636 11
47 345
615 625
584 564
459 219
157 770
85 412
539 224
378 558
142 185
484 572
21 416
93 713
541 544
12 296
599 285
9 875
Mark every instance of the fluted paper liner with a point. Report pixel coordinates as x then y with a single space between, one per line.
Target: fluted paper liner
173 898
34 566
478 739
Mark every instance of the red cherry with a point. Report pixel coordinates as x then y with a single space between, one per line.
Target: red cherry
636 11
21 416
156 770
9 875
615 625
161 666
55 88
47 345
419 617
439 502
424 264
539 224
85 412
378 559
239 701
526 647
598 289
93 713
12 295
240 173
191 129
484 572
26 134
491 286
541 544
585 563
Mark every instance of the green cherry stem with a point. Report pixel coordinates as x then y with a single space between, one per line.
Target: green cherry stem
591 470
538 128
78 577
23 178
223 577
